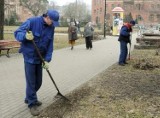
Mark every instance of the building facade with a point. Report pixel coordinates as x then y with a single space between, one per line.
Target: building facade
145 12
13 7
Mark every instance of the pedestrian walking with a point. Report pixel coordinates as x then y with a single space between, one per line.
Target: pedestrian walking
72 34
124 39
41 30
88 34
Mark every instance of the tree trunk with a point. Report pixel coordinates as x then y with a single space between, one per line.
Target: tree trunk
1 18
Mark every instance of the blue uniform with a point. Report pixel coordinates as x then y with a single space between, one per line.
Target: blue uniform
43 37
124 38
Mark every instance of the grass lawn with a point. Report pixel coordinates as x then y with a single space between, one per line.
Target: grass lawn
60 41
58 29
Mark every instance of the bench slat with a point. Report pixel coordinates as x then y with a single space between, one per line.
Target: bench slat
8 44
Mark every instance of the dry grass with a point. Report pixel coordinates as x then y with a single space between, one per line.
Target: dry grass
118 92
60 41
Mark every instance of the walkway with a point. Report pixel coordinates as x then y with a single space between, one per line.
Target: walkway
70 69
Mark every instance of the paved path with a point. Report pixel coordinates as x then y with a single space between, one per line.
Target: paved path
70 69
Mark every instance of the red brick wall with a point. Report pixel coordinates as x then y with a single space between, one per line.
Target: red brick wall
144 8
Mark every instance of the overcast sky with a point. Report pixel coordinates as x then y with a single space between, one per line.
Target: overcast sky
63 2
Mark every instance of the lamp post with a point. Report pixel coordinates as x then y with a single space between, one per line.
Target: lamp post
105 20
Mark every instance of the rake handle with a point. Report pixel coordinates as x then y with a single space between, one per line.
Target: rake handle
41 58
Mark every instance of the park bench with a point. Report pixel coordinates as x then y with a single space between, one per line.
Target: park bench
7 45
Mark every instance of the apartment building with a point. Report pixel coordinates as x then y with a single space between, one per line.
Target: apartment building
144 11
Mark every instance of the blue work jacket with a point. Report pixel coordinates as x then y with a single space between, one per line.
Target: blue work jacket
43 37
125 34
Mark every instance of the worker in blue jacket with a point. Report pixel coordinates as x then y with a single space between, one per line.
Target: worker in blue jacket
41 30
124 39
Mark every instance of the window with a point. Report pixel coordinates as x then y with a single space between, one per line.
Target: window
138 6
139 17
151 17
158 17
100 10
97 20
152 6
125 7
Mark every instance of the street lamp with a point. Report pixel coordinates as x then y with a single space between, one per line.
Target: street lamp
105 20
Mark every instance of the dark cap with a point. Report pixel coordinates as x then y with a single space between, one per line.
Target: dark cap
132 22
54 15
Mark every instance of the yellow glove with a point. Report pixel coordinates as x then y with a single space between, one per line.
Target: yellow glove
45 65
29 36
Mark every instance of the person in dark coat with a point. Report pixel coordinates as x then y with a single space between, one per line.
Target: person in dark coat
72 34
124 39
88 34
41 30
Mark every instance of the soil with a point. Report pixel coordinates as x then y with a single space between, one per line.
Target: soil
130 91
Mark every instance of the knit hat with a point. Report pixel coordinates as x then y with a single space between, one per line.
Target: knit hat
132 22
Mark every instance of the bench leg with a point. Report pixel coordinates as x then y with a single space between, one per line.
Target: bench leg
8 53
0 52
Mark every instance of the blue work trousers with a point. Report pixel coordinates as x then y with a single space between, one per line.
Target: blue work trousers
123 52
33 73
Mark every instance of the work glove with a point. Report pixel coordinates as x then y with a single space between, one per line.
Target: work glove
45 65
29 36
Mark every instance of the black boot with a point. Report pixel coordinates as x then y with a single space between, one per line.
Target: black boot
38 103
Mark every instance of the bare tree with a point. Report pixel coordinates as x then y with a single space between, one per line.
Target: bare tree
1 18
37 7
69 11
77 10
128 17
52 5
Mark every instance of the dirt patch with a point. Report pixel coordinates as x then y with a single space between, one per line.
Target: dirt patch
118 92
